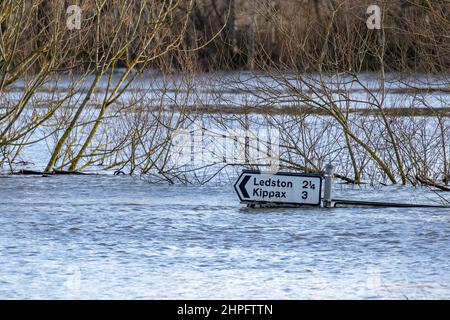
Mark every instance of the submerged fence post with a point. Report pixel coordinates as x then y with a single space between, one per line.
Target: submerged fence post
328 192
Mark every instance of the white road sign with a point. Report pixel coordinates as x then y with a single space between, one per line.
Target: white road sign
283 187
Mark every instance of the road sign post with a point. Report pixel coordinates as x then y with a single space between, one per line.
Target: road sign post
328 192
280 188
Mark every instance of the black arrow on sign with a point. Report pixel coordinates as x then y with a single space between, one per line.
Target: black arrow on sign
242 186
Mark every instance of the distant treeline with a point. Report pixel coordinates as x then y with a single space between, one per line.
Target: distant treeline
312 34
235 34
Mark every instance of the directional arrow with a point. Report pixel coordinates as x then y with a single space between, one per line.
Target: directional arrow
242 186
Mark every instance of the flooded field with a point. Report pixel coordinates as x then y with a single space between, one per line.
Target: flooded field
124 126
121 237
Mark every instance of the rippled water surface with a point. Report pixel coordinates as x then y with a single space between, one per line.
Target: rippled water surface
120 237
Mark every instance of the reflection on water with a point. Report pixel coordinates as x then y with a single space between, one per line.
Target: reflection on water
120 237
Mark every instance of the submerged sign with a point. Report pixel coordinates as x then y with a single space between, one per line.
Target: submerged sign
283 187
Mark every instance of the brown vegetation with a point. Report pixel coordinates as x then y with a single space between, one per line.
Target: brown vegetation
313 52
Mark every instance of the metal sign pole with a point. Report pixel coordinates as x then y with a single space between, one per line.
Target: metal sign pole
328 190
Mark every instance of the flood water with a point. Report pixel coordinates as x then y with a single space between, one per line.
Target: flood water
121 237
